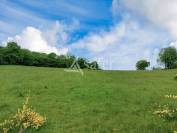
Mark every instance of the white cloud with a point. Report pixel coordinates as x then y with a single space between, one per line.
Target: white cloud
163 13
52 39
98 42
60 32
43 41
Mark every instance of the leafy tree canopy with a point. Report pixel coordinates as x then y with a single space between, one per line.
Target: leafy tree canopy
168 57
12 54
142 64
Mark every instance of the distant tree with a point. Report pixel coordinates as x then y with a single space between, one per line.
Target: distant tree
82 62
11 53
142 64
13 46
168 56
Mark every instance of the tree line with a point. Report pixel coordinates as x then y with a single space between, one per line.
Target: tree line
167 58
13 54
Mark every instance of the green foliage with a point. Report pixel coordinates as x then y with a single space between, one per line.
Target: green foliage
142 64
168 56
175 77
12 54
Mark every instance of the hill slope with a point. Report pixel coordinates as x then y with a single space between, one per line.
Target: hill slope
99 101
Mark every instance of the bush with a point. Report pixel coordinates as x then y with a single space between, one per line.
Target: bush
168 112
24 119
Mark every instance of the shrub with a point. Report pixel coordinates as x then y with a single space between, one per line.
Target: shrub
168 112
24 119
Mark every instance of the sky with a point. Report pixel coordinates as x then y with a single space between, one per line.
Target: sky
115 33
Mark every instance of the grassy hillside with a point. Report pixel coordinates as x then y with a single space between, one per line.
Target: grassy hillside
99 101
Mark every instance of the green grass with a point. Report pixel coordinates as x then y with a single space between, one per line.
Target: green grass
99 101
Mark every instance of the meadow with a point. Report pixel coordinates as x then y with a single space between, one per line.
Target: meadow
97 102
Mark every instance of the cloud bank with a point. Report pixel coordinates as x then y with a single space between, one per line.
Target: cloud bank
33 39
144 28
48 40
161 13
123 45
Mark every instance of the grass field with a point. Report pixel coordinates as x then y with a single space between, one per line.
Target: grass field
98 102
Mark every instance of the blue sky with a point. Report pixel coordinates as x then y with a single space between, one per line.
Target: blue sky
116 33
91 14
